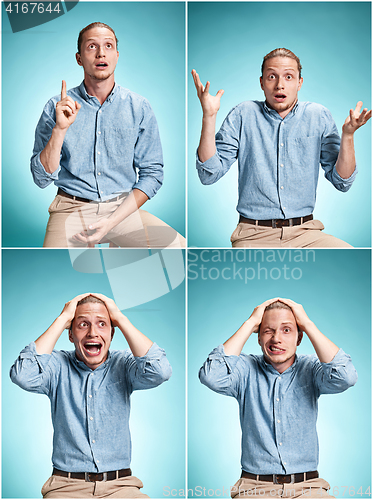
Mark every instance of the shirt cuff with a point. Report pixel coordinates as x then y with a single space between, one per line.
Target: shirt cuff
30 352
149 187
211 165
219 354
41 176
155 353
344 184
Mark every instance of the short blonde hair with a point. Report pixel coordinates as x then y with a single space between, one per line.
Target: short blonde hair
282 53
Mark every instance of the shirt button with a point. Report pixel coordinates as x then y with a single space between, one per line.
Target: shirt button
280 377
280 444
99 173
91 396
282 187
100 111
93 441
282 164
98 461
282 144
99 133
278 421
277 399
98 152
90 418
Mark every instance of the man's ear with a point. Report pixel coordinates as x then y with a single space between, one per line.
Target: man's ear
112 332
71 335
261 83
78 59
300 336
300 83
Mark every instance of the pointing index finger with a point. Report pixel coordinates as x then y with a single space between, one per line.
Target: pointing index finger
63 90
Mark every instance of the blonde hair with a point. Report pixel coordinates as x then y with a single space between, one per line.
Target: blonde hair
282 53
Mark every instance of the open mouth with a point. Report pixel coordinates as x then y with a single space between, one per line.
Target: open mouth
276 350
280 97
92 348
101 65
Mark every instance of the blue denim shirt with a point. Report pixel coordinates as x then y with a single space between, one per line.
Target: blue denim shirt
278 412
278 158
90 408
109 149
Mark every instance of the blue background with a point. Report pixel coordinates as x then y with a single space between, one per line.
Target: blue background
226 45
36 285
335 292
151 63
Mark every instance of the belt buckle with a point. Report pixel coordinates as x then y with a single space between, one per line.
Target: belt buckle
88 479
276 481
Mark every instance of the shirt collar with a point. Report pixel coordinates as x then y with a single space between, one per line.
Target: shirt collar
271 111
88 97
84 367
269 367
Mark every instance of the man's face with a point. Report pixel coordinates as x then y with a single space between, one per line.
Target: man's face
98 54
91 333
279 338
280 83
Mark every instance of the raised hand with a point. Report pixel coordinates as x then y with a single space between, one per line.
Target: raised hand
210 104
356 119
66 110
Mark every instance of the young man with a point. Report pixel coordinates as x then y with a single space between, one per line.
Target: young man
277 395
279 145
89 390
99 143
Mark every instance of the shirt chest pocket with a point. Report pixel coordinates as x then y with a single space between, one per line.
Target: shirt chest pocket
304 150
112 398
120 141
301 401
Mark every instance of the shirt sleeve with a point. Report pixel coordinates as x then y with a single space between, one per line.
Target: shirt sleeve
32 371
330 145
150 370
336 376
227 147
43 133
224 374
148 157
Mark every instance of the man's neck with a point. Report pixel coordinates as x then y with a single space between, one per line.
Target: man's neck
99 88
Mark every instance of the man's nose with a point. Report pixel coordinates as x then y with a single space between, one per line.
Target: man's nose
100 51
280 83
91 331
276 336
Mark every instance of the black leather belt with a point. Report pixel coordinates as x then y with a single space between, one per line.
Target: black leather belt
61 192
93 476
277 223
282 478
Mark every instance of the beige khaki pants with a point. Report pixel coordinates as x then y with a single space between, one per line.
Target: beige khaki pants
307 235
141 229
250 488
63 487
